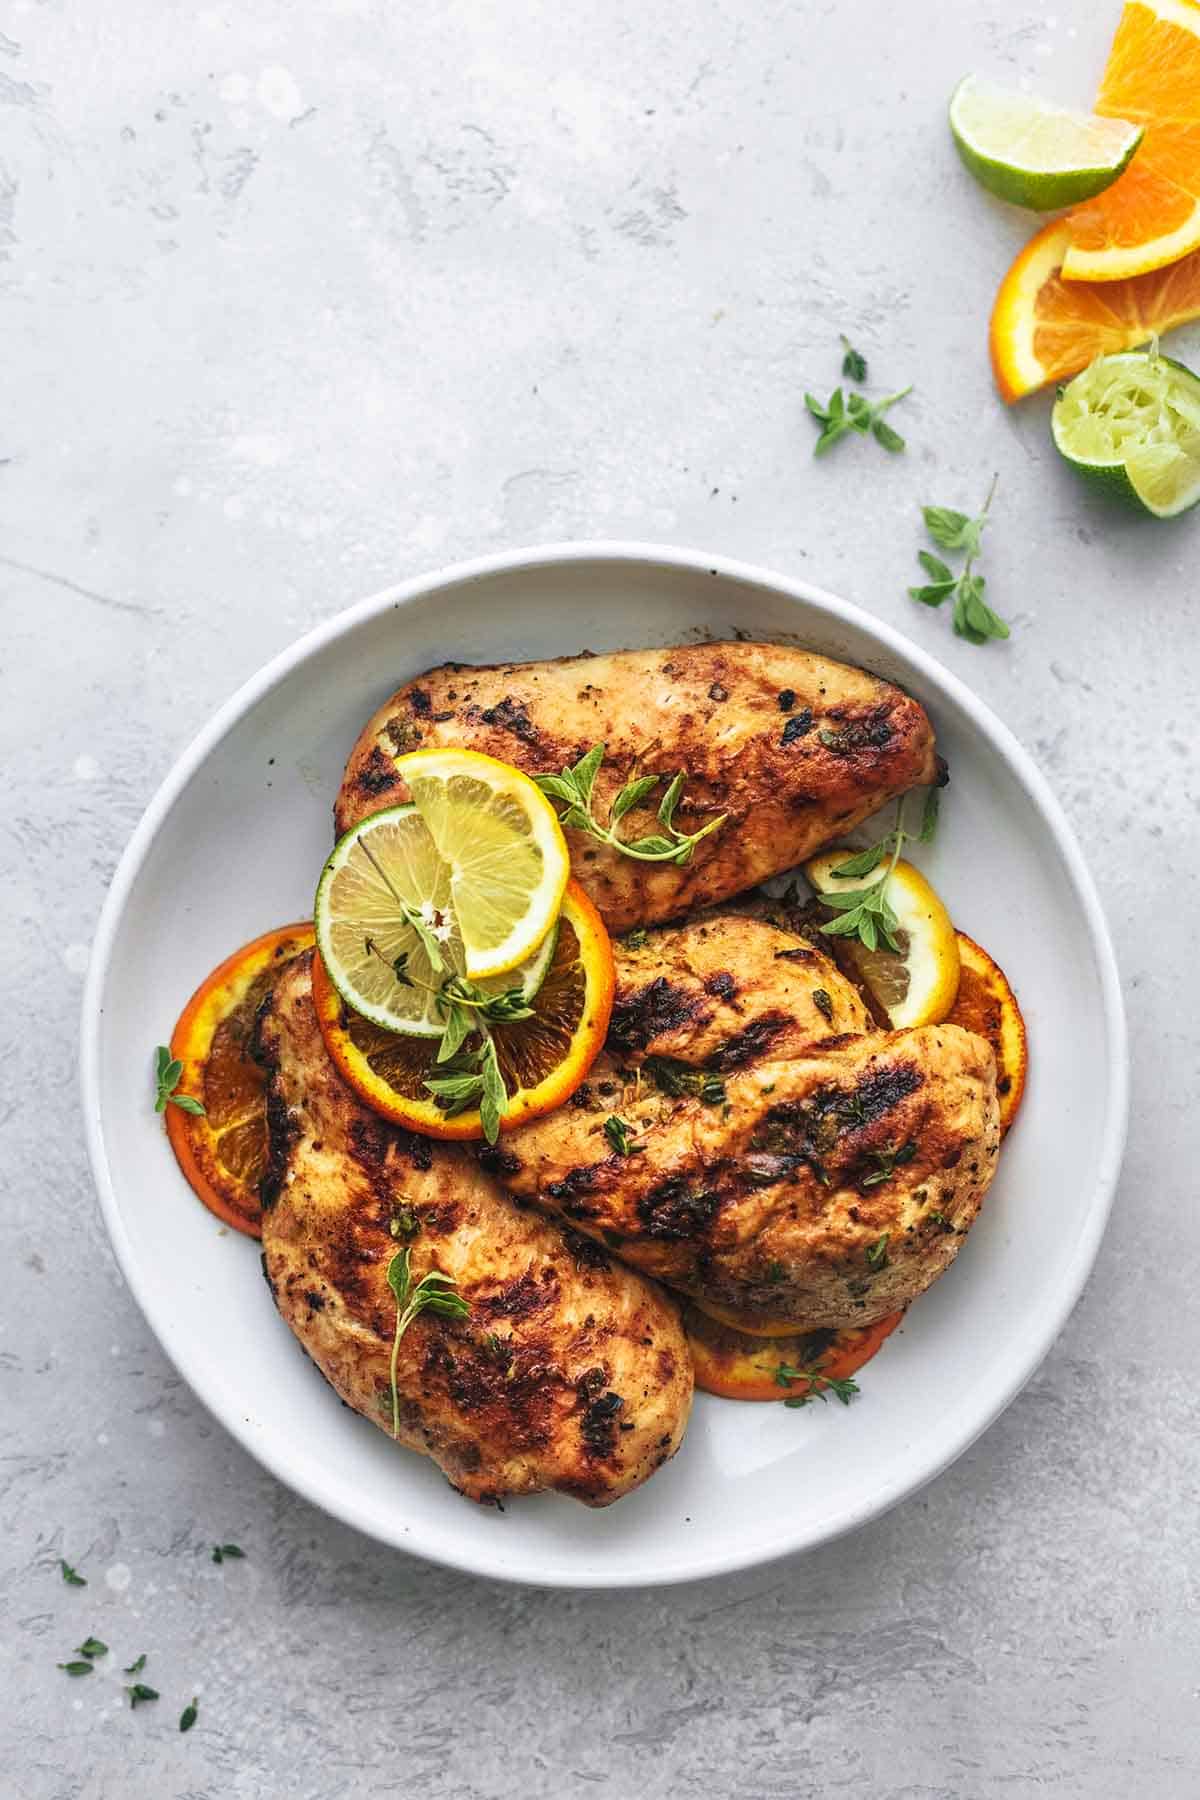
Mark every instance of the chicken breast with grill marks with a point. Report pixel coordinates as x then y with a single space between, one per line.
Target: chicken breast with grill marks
571 1372
786 1162
793 749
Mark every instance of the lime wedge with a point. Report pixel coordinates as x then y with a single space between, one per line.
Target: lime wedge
383 872
1130 424
1035 155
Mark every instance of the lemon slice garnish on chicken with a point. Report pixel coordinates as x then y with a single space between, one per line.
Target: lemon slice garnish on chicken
501 841
917 984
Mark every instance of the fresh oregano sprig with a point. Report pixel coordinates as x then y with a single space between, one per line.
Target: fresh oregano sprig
435 1292
168 1072
575 787
819 1386
471 1076
866 913
854 363
841 414
973 618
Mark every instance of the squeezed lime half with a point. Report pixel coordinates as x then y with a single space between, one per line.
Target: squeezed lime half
1130 424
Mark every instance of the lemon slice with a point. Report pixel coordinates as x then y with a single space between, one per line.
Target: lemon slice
918 984
385 870
501 841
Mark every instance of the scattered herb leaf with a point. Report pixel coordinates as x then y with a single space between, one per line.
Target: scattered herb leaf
137 1665
76 1668
71 1576
140 1692
854 363
435 1292
187 1717
92 1647
678 1078
227 1553
618 1134
168 1072
877 1253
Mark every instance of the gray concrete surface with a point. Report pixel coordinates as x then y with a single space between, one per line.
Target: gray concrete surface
297 300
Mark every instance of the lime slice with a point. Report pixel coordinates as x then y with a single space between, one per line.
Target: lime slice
1035 155
502 843
385 869
1130 424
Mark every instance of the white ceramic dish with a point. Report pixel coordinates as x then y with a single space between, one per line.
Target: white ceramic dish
232 844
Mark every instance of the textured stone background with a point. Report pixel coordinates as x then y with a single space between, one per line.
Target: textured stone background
300 299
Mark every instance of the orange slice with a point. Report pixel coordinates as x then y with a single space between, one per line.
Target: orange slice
1045 328
223 1152
543 1059
739 1366
987 1005
1151 215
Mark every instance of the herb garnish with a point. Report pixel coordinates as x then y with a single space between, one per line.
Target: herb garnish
137 1665
973 618
877 1253
618 1134
823 1003
854 363
404 1223
227 1553
187 1717
471 1074
635 939
575 789
139 1692
866 913
820 1385
92 1647
434 1292
678 1078
168 1071
841 415
71 1576
76 1668
888 1161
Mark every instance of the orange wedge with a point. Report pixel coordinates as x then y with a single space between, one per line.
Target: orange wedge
987 1005
738 1366
543 1059
1150 216
1045 328
223 1151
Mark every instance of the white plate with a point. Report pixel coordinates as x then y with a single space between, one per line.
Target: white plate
232 844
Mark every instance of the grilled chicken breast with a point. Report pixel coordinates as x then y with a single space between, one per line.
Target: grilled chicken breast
786 1162
570 1372
793 749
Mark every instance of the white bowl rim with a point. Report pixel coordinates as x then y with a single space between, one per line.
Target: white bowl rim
1000 739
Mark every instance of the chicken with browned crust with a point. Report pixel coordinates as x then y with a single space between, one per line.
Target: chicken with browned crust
775 1155
792 749
570 1372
